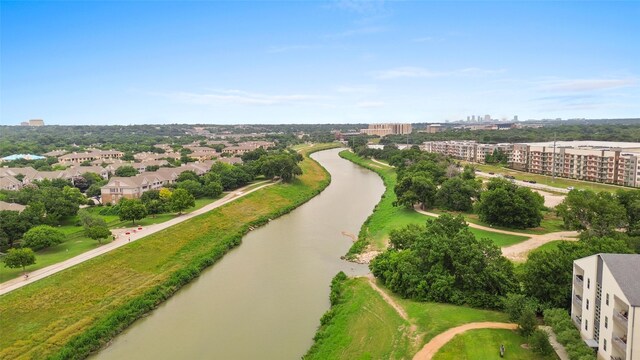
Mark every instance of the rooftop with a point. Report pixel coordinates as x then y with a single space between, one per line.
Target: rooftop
625 269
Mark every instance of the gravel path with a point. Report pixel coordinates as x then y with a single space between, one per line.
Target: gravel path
123 239
519 251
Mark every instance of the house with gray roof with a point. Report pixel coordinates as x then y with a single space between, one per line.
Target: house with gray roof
605 304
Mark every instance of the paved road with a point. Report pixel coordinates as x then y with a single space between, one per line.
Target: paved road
524 183
123 239
519 251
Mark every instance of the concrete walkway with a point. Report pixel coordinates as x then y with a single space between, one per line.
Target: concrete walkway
123 239
560 350
519 251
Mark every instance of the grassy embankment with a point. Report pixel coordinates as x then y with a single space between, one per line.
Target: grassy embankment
386 217
74 312
485 344
76 243
558 182
361 325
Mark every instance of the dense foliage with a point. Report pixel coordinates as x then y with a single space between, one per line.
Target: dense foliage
509 205
41 237
568 335
444 262
19 258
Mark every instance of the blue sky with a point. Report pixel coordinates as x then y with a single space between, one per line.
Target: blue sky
316 62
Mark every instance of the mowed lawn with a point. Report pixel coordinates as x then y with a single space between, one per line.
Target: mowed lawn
485 344
366 327
76 243
39 319
386 217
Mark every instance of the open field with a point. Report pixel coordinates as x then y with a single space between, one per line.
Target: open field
76 243
76 311
548 180
364 326
485 344
386 217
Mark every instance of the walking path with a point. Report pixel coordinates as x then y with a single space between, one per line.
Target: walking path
399 309
519 251
381 163
123 239
432 347
560 350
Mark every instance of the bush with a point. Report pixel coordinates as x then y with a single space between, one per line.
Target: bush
527 323
568 335
41 237
539 342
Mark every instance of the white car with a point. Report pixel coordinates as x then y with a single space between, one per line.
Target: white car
570 188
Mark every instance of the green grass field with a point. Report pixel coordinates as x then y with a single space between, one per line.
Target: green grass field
558 182
386 217
76 243
485 344
364 326
550 223
91 302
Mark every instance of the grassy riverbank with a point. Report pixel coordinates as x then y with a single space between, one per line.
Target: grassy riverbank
386 217
362 325
75 312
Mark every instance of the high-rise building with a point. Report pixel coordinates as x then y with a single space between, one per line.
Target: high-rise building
387 129
487 118
515 117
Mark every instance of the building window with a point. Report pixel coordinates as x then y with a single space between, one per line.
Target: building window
607 299
587 304
606 322
586 324
605 345
588 283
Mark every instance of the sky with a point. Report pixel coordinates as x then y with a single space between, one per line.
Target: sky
211 62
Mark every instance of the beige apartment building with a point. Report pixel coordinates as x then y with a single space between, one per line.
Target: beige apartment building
90 156
605 304
387 129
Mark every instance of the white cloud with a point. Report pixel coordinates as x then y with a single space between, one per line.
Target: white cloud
370 104
418 72
240 97
579 85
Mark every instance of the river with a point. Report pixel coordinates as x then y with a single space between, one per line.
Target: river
264 299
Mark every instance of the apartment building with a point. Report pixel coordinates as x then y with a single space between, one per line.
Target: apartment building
605 304
129 187
90 156
597 162
387 129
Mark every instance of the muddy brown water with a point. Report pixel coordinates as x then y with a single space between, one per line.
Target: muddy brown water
264 299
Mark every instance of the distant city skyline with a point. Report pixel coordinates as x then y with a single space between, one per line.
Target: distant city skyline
316 62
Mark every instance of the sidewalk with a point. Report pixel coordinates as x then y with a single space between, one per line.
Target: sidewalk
123 239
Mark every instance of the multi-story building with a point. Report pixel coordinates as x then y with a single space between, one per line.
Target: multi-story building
36 122
387 129
605 304
90 156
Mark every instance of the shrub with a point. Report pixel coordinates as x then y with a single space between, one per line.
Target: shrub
568 335
539 342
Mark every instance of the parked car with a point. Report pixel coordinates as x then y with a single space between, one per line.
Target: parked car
570 188
491 173
532 181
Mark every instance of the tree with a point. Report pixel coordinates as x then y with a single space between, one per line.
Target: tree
457 194
415 189
42 237
19 258
192 186
181 200
443 261
97 233
496 157
88 220
506 204
93 190
630 200
212 189
280 165
188 175
12 227
516 304
598 213
126 171
131 209
527 322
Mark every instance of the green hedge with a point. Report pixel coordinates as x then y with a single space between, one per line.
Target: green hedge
119 319
568 335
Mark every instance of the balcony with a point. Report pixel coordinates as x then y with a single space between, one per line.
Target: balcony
577 299
622 318
579 279
578 320
620 342
616 358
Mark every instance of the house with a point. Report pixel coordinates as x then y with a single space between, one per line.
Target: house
129 187
5 206
606 304
8 182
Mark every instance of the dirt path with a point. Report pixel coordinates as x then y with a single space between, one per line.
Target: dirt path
432 347
519 251
123 239
399 309
381 163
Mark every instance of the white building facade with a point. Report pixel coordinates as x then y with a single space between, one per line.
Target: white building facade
605 304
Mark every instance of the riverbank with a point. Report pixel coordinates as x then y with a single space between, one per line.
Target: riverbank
374 234
75 312
362 324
